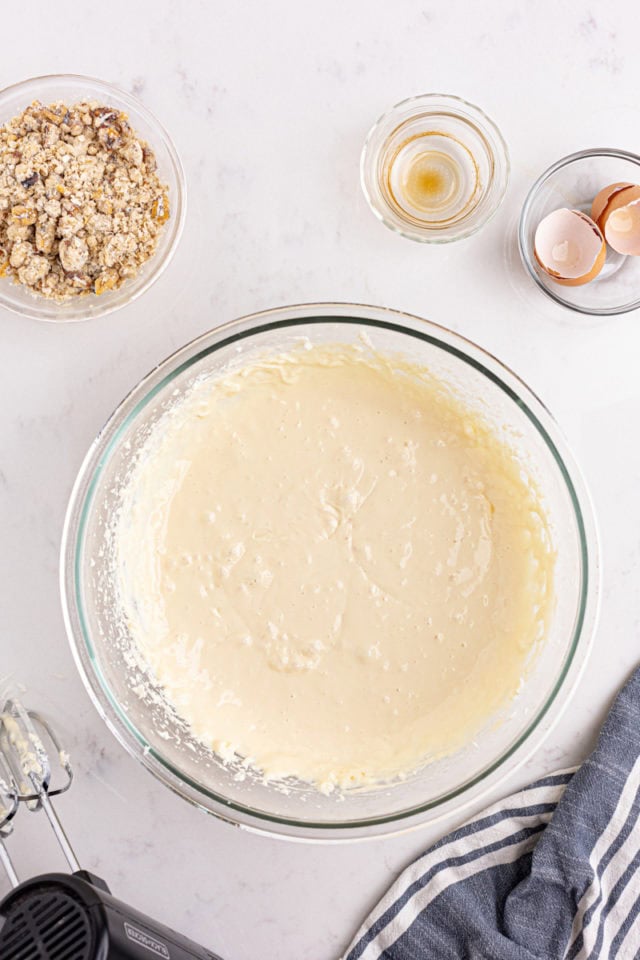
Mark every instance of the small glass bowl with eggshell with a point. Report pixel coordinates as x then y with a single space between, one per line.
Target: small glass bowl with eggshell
579 232
434 168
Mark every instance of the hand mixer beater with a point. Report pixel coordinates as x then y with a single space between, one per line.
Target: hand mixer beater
60 916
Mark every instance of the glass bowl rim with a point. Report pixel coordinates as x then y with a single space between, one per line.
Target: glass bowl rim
80 504
474 113
156 269
525 255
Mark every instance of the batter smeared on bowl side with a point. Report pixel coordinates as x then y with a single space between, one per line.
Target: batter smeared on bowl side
334 568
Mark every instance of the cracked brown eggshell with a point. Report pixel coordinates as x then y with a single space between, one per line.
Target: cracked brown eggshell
616 210
569 247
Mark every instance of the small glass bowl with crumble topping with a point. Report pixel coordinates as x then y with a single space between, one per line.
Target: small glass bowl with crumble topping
92 198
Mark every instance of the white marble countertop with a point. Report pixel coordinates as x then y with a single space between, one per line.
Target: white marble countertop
269 104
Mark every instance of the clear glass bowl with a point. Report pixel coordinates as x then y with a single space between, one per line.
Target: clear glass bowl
573 182
73 89
155 735
469 133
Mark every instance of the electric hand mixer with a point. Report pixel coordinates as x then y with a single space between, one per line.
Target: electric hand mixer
60 916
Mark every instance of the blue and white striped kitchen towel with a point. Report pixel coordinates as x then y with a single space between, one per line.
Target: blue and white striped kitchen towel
549 873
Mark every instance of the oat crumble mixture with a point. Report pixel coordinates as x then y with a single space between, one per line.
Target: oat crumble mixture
81 204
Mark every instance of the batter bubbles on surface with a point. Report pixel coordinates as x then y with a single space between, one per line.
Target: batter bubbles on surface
333 567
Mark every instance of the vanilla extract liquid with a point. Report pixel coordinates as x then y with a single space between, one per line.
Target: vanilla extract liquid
432 178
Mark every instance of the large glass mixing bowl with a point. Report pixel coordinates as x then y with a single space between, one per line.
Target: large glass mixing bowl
155 735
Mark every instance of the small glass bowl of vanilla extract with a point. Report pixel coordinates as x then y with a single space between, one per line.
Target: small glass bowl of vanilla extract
434 168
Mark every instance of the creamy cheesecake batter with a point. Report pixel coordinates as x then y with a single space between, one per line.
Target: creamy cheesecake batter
335 569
